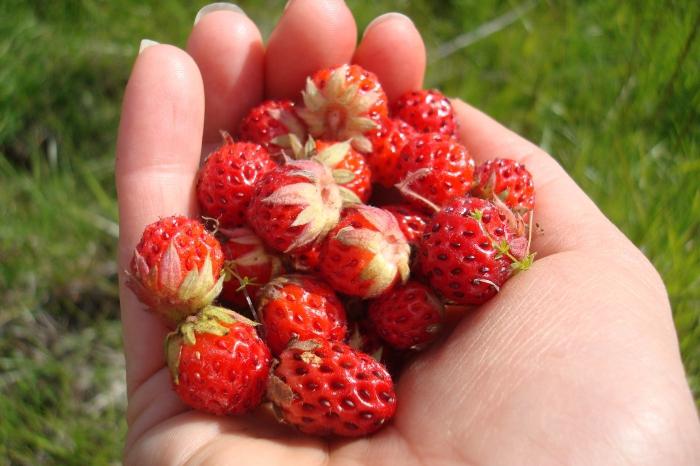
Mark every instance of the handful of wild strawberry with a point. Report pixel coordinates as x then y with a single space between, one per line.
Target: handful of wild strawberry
336 283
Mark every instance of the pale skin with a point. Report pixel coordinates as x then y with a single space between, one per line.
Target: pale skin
575 361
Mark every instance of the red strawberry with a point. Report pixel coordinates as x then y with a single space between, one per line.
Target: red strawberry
344 103
295 205
176 268
469 250
433 170
366 253
270 124
411 221
300 307
248 260
387 142
226 180
507 179
427 110
407 316
306 260
349 168
218 362
327 388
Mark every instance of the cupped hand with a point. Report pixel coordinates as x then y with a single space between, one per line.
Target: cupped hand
576 361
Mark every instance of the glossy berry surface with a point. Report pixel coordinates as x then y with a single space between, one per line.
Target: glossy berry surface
407 316
467 250
426 110
327 388
227 179
301 307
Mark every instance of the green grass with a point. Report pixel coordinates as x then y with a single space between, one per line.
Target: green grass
612 89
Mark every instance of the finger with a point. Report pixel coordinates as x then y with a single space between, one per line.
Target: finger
393 49
227 47
566 216
158 151
311 35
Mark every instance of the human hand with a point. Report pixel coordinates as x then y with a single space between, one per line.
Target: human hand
574 362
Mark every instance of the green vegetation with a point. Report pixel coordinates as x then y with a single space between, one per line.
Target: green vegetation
612 89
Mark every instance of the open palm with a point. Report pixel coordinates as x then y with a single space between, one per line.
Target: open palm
574 362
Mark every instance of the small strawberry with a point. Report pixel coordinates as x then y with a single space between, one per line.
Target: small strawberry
427 110
247 260
226 180
344 103
176 268
388 139
411 221
509 181
407 316
271 124
218 362
299 307
434 169
306 260
469 250
366 253
349 168
327 388
295 205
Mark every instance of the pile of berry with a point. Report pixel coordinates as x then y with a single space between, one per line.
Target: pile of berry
345 230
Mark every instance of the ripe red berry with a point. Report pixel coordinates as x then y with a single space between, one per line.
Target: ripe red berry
226 180
366 253
301 307
388 139
271 124
427 110
344 103
507 179
327 388
433 170
250 264
176 268
407 316
218 363
469 250
411 221
295 205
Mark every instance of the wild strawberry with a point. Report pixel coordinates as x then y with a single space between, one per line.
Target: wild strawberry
509 181
218 362
388 139
427 110
249 263
344 103
270 124
366 253
226 180
469 250
433 170
407 316
349 168
295 205
176 268
299 307
328 388
306 260
411 221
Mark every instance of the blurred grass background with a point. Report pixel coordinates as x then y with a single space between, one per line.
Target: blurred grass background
612 89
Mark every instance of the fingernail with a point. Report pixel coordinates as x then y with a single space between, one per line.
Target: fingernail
218 6
386 17
145 43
